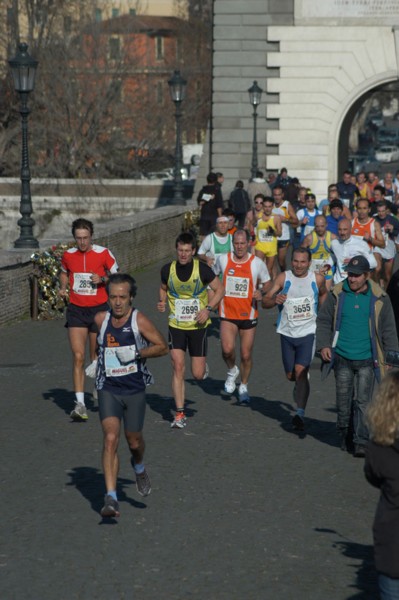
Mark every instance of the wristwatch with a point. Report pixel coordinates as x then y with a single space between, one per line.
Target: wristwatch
209 307
138 356
103 279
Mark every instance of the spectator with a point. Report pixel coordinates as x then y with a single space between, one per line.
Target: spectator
283 179
258 185
382 471
239 203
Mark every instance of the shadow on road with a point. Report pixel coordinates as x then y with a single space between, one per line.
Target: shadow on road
65 399
366 578
90 483
165 406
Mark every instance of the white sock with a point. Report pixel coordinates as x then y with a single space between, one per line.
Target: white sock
233 370
80 397
243 388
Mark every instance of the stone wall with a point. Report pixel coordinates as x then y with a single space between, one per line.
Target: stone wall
137 241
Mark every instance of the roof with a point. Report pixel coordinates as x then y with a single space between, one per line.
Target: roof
137 23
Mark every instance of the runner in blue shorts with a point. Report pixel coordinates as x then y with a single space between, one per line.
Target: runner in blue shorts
297 293
126 339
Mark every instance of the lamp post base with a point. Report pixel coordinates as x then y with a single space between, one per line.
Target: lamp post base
29 242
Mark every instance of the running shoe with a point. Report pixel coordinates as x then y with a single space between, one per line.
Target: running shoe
180 421
110 508
79 413
206 374
298 423
230 383
243 396
143 483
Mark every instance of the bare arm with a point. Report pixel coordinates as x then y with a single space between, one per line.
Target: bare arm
63 284
272 296
277 222
377 241
292 218
218 289
161 306
158 345
321 284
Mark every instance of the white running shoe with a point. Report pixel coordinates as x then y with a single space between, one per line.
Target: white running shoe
243 396
79 413
232 376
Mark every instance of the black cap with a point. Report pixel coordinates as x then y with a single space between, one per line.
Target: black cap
358 265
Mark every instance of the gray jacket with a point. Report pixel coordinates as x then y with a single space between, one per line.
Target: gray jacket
381 323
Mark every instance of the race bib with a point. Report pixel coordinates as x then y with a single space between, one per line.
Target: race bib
119 361
237 287
299 309
317 264
83 285
186 310
264 236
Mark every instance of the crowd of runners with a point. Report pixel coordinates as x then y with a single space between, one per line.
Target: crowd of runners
332 299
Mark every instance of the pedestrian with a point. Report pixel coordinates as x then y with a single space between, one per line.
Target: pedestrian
239 203
245 278
288 219
126 340
210 201
355 328
85 269
382 471
297 293
184 283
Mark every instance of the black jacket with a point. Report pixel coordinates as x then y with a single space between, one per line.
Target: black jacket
382 471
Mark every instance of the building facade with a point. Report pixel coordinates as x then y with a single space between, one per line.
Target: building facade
316 62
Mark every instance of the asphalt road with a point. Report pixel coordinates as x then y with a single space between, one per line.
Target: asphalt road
241 507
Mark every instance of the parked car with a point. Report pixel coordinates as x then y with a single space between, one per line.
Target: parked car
387 154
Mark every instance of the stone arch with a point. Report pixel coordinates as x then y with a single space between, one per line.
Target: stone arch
338 150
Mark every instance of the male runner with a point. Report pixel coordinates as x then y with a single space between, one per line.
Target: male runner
86 269
288 218
242 274
184 284
319 244
345 247
217 243
298 294
126 339
268 229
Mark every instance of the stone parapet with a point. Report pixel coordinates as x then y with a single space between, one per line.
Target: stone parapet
136 240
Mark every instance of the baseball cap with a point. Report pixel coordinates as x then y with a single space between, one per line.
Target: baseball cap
358 265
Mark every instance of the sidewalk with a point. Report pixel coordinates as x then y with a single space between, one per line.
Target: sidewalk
241 507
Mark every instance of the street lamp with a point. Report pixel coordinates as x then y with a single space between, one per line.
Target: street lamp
23 68
255 95
177 88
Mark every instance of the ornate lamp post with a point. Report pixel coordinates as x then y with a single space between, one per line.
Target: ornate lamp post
23 68
177 88
255 95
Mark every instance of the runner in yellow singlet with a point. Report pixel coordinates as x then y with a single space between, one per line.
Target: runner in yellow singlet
319 244
268 229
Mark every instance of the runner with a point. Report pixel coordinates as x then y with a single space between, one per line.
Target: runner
86 269
319 244
345 247
390 230
127 338
298 294
268 229
242 273
288 218
184 285
217 243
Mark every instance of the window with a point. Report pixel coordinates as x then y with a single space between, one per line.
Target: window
159 48
114 48
67 24
159 92
117 90
132 12
98 15
115 13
